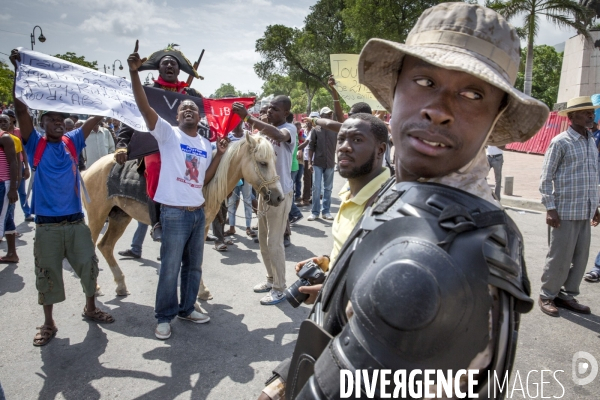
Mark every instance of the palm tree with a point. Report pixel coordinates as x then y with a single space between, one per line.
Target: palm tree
562 13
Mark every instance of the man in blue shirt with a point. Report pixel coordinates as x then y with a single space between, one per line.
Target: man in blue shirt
60 227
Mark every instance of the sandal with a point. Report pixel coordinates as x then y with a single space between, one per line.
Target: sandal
46 333
228 242
229 232
98 316
220 247
250 232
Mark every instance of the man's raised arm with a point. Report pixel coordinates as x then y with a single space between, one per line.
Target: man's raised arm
134 61
90 124
281 136
25 123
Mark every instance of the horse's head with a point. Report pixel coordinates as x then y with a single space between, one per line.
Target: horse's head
259 169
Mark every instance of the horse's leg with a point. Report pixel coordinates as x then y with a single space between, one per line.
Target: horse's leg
117 223
204 292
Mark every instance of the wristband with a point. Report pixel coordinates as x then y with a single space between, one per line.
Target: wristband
247 118
314 121
119 151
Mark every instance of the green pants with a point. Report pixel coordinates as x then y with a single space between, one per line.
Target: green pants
53 243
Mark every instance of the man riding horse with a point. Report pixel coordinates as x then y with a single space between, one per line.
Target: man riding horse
169 62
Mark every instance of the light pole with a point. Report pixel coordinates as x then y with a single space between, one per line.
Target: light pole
120 66
41 38
104 68
147 82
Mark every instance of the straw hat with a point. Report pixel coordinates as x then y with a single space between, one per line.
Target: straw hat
578 104
462 37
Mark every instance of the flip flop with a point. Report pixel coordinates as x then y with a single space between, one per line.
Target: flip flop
250 232
228 233
3 260
228 242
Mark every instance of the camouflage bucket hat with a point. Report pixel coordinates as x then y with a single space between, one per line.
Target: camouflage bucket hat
461 37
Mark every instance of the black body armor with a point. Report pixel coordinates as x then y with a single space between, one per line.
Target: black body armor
435 276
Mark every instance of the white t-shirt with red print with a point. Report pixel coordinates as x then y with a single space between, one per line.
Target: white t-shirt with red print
184 161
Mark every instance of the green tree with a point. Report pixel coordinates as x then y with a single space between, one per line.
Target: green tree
545 74
7 76
226 89
385 19
562 13
72 57
278 84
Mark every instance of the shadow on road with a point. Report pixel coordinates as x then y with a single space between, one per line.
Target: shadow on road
10 281
200 356
70 369
591 321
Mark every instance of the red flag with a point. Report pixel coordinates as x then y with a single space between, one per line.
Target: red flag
220 117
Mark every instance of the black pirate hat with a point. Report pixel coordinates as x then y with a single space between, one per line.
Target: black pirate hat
184 64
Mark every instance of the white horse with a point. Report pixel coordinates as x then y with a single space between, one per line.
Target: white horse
251 158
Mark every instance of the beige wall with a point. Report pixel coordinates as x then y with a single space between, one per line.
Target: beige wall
580 75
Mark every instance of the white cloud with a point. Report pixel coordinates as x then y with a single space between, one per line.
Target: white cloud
63 16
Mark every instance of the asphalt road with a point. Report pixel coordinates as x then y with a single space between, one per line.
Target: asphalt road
232 356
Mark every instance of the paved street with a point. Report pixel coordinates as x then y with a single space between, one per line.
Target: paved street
232 356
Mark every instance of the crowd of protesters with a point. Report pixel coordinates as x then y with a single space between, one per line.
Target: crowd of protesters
308 152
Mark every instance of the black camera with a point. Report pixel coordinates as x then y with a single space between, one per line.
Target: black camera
310 274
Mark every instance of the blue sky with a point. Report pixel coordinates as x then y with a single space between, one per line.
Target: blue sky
106 30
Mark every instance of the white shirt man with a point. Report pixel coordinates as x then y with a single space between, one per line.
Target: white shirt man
97 145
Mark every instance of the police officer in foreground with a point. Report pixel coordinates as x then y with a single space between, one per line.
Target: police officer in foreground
433 276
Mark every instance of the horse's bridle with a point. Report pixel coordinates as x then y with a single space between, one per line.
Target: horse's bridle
264 183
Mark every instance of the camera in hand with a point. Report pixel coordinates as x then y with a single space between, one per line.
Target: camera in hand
310 274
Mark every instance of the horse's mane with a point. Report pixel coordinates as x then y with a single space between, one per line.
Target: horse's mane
216 190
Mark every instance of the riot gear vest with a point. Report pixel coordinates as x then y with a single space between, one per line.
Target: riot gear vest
434 275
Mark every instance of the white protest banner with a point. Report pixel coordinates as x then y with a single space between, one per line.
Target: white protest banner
344 68
49 83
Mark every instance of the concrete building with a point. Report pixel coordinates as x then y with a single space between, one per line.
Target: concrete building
580 75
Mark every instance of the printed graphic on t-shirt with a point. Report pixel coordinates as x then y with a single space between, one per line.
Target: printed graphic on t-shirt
191 168
192 162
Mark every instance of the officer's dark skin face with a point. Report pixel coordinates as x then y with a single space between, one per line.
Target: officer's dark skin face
440 119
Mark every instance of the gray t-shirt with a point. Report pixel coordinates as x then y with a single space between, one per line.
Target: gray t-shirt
283 157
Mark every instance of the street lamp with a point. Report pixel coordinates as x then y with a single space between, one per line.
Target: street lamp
41 38
147 82
120 66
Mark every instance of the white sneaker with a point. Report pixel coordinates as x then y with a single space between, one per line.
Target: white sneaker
262 287
312 217
327 217
196 317
274 297
163 331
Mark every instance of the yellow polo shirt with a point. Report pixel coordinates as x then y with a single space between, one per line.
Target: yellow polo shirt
351 211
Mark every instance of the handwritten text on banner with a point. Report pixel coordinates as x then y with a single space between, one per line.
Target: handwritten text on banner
344 68
49 83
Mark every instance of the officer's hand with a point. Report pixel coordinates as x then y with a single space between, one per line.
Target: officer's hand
553 219
311 291
120 158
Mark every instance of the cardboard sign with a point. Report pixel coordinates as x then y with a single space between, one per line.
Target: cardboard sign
344 68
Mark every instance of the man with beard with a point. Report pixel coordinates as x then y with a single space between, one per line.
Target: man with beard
433 276
361 145
169 62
